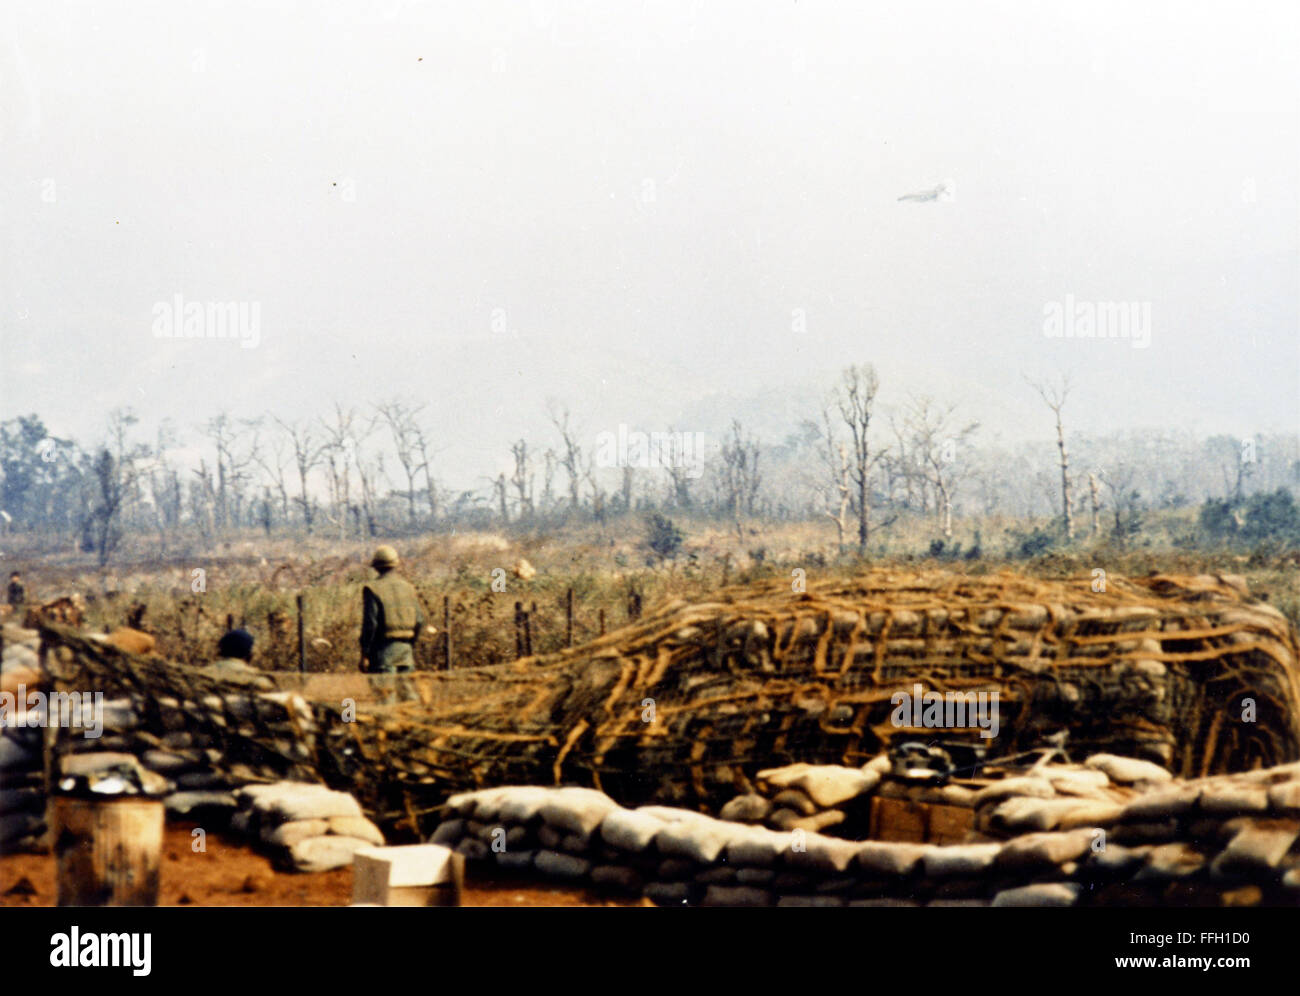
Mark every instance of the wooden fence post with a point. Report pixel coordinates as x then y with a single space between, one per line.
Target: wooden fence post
302 640
446 630
519 629
568 618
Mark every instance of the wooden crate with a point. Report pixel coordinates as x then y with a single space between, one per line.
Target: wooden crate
908 821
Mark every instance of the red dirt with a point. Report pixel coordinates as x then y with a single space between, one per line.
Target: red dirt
229 873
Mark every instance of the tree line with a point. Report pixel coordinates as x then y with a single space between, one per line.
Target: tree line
366 471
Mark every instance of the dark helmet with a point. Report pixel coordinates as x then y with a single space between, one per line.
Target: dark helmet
237 643
385 558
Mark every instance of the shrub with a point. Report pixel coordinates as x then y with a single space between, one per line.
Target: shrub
664 538
1034 543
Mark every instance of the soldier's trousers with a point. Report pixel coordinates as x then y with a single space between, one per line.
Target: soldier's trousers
393 658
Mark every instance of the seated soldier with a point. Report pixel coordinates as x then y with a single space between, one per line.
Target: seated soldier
234 658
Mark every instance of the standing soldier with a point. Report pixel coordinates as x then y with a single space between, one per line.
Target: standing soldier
391 618
17 593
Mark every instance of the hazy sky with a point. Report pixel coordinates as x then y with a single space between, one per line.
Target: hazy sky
655 212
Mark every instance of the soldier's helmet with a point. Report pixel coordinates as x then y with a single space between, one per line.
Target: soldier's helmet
385 557
237 643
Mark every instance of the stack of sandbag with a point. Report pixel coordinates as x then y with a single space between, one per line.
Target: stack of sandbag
22 781
821 798
1227 840
305 827
1065 796
204 778
22 788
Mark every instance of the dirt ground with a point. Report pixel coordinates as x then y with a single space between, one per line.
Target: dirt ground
229 873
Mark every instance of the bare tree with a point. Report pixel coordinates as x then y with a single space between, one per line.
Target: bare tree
522 478
1096 503
273 458
306 456
835 492
236 446
108 507
499 490
680 474
856 400
1054 396
626 489
570 455
407 440
1125 501
127 456
426 467
337 451
370 469
937 436
740 477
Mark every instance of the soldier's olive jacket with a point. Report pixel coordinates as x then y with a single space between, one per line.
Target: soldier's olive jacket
390 612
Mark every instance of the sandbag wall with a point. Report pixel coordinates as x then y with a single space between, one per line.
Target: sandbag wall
22 767
1212 842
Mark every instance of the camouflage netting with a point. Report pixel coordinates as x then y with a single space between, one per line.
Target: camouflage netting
1157 667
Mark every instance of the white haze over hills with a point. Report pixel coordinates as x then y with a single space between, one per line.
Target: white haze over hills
634 210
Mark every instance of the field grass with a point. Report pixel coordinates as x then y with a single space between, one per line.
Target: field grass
254 580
